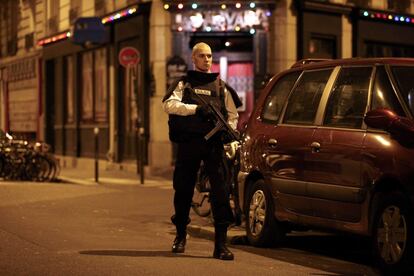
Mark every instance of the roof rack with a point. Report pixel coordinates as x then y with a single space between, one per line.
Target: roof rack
308 61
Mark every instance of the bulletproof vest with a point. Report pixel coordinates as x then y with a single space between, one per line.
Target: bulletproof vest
187 128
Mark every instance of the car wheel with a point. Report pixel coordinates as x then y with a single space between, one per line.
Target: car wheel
392 233
261 226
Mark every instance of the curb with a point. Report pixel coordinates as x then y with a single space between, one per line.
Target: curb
235 235
70 180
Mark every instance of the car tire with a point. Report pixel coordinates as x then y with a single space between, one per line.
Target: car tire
392 233
262 228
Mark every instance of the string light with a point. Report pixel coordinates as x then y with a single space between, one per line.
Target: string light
386 16
238 5
252 5
119 15
166 6
180 6
223 6
194 6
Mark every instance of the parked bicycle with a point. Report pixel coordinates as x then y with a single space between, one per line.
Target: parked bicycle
201 198
23 160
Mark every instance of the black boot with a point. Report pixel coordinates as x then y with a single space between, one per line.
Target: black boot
179 243
220 249
180 238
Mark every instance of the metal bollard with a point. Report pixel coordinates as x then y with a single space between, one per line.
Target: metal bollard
96 132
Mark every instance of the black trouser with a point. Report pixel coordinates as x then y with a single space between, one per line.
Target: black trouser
189 157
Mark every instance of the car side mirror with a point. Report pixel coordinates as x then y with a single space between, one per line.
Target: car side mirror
380 118
401 128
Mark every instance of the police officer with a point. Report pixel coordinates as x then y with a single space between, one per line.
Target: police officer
189 121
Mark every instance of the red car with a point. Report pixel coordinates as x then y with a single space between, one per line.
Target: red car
330 145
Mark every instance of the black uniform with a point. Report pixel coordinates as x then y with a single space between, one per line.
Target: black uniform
188 132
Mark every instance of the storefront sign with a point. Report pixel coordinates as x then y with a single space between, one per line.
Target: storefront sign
221 20
129 56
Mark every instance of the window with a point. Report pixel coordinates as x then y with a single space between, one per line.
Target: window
402 6
74 12
304 100
322 46
9 18
94 86
69 90
359 3
277 97
383 96
87 93
100 85
404 76
100 7
53 7
348 99
381 49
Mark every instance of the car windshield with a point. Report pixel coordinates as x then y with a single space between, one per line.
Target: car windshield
404 75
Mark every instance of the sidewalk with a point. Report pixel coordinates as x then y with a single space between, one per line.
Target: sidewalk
199 227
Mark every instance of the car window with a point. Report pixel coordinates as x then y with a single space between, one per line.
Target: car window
304 100
277 97
383 95
348 99
404 76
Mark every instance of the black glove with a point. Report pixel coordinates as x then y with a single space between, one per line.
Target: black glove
226 137
204 111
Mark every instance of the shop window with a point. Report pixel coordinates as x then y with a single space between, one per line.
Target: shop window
69 90
87 88
94 86
320 46
101 89
379 49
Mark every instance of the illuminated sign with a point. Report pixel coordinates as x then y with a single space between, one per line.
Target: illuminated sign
221 20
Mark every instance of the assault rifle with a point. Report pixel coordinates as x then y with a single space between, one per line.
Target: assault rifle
220 124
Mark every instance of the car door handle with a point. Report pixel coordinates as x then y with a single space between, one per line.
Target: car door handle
272 142
315 146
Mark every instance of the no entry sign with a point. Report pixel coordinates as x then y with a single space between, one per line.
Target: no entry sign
129 56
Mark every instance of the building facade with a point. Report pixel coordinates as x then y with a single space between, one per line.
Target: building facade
21 23
72 94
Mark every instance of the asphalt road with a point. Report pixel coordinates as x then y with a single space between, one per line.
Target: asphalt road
67 229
